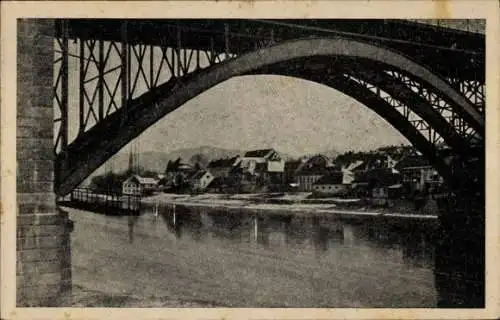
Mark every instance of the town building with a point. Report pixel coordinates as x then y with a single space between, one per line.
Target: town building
220 168
217 186
312 170
291 170
417 174
380 184
374 161
307 176
201 180
351 171
258 168
177 172
384 193
331 184
319 161
137 185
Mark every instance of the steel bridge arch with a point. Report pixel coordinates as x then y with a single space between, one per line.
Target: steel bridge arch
91 149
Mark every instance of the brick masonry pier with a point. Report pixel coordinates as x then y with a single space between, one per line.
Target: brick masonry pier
43 264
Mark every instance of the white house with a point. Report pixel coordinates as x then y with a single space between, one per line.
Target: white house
266 164
271 158
348 175
200 180
137 185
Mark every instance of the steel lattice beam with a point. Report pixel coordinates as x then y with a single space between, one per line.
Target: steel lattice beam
439 104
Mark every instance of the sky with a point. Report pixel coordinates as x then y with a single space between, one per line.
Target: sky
294 116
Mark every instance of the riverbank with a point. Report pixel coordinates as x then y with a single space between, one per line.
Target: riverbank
83 297
297 204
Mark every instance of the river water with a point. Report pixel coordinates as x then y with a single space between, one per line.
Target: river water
255 260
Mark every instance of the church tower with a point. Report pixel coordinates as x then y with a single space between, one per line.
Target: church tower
133 158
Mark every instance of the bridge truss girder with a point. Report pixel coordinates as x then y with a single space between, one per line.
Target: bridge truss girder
414 108
103 100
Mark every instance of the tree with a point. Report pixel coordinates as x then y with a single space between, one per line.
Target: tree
199 159
147 173
169 166
108 183
197 166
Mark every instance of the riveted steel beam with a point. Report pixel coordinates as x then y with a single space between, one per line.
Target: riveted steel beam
125 70
438 103
418 105
81 101
101 67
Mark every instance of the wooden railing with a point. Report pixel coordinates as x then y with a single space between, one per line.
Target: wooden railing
112 203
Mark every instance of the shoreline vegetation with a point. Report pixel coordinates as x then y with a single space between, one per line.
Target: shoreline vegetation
295 204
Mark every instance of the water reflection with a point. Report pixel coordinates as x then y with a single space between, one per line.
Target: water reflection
132 219
410 243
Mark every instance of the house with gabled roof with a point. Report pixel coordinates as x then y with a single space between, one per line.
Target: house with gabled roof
312 170
200 180
137 185
220 168
271 158
259 167
270 154
308 175
178 171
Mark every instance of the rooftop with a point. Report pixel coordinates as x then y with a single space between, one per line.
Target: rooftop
292 164
335 177
177 165
312 170
412 162
227 162
142 180
381 176
199 174
258 153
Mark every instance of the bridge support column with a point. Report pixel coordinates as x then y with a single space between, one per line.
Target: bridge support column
460 252
43 262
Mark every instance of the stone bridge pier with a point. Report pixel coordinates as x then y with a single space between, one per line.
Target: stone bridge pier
460 248
43 260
